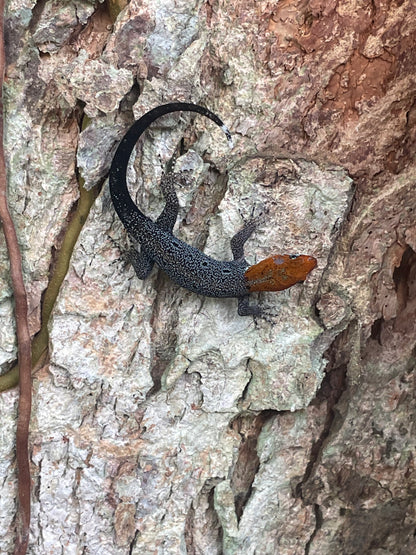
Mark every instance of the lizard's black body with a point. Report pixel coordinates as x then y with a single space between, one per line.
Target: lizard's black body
185 265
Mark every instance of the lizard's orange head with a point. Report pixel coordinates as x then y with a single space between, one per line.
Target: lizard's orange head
279 272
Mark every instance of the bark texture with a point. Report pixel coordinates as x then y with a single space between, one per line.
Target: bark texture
164 422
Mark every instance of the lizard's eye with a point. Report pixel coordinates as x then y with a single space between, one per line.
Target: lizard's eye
293 256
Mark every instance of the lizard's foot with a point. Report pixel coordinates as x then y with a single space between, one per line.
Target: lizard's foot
257 215
123 254
263 312
268 314
134 256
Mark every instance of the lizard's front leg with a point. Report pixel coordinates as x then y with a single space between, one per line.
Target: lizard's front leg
247 309
237 247
239 239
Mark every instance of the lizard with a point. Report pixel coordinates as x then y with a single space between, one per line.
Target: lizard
154 242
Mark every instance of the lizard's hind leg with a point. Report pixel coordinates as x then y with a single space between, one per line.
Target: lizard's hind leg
140 260
137 255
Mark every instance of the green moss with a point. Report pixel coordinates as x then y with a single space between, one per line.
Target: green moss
115 7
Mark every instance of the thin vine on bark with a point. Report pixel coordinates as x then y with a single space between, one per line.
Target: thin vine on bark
23 336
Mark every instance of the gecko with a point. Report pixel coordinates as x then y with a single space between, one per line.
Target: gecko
154 242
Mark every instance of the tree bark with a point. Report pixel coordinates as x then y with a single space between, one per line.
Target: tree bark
163 421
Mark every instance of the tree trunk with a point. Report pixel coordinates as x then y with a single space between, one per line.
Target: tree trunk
162 421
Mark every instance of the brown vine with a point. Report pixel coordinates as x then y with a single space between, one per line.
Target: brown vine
23 336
